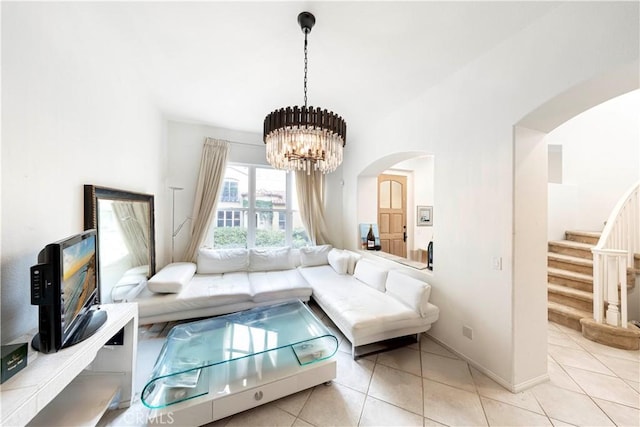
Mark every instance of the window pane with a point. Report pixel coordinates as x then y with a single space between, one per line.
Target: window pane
385 195
268 232
300 237
271 189
396 195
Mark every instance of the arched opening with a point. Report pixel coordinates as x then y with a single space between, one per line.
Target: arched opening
530 210
377 194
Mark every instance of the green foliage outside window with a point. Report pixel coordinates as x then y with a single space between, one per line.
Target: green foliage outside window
236 237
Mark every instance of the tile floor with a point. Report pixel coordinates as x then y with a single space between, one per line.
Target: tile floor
426 385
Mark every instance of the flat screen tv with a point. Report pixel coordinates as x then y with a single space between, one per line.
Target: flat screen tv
65 286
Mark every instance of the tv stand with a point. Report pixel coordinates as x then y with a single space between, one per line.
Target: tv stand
75 385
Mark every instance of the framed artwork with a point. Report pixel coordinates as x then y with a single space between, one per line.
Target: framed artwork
425 215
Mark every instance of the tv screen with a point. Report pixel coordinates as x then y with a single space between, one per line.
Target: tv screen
65 286
79 278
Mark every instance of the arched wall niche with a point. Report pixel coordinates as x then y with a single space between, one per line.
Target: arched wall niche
416 166
530 208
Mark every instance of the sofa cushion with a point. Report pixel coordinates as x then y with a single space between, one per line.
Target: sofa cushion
311 256
338 260
278 285
371 274
354 257
172 278
410 291
213 261
271 259
203 291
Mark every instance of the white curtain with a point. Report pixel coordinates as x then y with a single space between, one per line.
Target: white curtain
310 190
210 180
133 219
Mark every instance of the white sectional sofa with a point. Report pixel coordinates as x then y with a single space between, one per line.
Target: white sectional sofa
221 282
366 302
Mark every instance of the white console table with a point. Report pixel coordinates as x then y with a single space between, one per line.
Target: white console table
75 385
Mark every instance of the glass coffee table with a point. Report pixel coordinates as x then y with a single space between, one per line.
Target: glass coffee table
213 368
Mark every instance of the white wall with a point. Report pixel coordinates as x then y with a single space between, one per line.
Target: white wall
600 149
467 123
69 117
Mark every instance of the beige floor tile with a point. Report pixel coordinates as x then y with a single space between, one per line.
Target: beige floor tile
502 414
605 387
301 423
557 423
452 406
634 384
398 388
355 374
265 415
560 378
379 413
428 422
454 372
620 414
491 389
404 358
568 331
294 403
430 346
334 405
569 407
624 368
556 337
597 348
577 358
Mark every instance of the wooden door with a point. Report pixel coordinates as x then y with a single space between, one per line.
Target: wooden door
392 214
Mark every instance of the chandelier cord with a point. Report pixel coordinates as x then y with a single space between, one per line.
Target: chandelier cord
305 69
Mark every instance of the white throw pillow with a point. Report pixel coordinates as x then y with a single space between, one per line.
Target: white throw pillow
269 259
371 274
410 291
172 278
214 261
311 256
353 260
338 260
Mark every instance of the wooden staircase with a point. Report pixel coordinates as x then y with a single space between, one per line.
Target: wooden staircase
570 278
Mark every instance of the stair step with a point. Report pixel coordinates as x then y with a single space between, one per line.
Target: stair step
570 263
567 247
583 282
567 316
590 237
571 297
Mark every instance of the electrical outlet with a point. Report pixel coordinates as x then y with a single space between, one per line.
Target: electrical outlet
496 262
467 332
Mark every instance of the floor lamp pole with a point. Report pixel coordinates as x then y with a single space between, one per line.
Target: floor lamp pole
173 218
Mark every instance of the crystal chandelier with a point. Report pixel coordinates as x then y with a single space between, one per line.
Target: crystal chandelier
304 138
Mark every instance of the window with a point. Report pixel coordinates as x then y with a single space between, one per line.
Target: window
258 207
229 218
229 191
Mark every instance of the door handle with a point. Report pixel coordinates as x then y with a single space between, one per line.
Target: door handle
404 234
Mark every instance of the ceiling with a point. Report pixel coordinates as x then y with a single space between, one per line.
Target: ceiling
228 64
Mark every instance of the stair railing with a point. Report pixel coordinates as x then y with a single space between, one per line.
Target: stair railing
619 241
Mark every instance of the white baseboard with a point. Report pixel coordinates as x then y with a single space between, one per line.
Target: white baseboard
513 388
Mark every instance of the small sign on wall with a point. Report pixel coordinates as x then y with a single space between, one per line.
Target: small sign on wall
425 215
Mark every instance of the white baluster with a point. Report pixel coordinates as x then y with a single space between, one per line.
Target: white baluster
613 313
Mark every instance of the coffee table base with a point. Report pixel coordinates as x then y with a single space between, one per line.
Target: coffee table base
212 407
